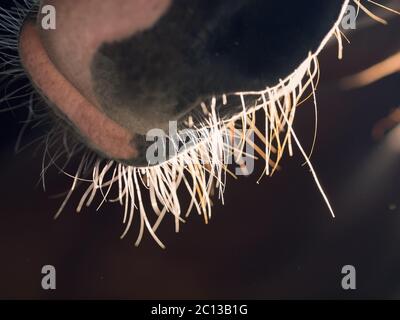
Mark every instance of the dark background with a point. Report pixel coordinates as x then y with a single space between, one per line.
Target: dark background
273 240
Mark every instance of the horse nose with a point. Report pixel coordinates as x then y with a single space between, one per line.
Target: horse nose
116 70
82 28
147 62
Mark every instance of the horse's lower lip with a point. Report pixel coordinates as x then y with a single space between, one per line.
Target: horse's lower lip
102 133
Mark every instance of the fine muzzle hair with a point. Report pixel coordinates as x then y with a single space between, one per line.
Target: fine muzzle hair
114 74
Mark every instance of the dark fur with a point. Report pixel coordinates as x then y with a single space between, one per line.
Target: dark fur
201 48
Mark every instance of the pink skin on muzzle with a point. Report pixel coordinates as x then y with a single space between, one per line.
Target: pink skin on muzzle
58 61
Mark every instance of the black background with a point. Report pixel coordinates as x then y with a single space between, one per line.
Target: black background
273 240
